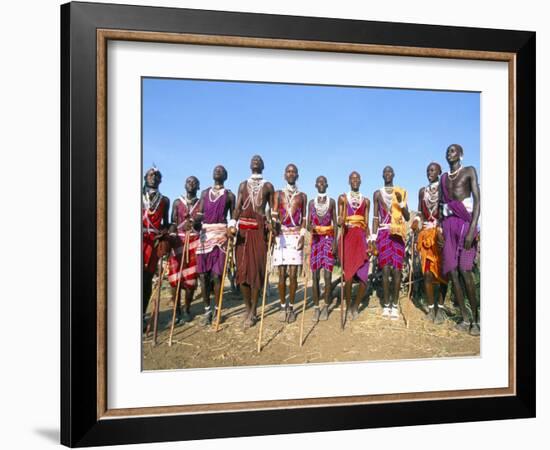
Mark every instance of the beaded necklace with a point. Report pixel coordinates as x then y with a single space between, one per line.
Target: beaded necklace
218 192
254 186
431 198
453 175
151 201
387 196
290 191
355 199
321 208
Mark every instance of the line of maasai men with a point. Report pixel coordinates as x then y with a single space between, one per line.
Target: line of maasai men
446 229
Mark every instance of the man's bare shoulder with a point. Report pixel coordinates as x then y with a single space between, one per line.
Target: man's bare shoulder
470 170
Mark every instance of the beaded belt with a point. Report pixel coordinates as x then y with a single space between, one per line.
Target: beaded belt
248 224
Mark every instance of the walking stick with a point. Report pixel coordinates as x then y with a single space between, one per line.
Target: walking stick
157 303
220 301
411 269
186 247
342 282
305 301
153 294
185 251
266 276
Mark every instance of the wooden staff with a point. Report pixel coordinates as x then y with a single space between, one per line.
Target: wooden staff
305 301
157 303
266 276
185 251
342 281
411 269
151 301
228 254
186 247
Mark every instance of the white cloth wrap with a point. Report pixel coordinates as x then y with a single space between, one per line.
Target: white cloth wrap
467 202
285 252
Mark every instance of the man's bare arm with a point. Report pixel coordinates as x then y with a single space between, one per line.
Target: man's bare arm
304 212
405 210
420 211
165 218
341 210
367 209
375 212
231 203
309 212
175 211
238 208
334 222
475 194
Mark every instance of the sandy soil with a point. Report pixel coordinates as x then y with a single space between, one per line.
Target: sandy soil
369 337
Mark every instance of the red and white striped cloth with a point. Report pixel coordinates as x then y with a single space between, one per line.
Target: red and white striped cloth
188 273
212 235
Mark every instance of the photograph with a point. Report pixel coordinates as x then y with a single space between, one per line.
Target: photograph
273 223
287 223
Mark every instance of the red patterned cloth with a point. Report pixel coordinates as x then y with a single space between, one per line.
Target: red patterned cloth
356 258
188 273
251 247
151 223
391 247
321 244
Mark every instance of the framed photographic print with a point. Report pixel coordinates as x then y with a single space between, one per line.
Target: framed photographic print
281 224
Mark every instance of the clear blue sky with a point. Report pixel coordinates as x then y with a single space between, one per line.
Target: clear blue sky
190 126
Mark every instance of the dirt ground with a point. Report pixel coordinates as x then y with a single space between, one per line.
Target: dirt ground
369 337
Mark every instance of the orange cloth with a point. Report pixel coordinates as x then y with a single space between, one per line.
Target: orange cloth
356 220
320 230
398 225
430 253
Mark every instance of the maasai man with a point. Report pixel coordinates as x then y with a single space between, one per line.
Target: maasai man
459 199
289 219
321 224
215 203
430 242
251 249
353 215
182 230
154 213
389 228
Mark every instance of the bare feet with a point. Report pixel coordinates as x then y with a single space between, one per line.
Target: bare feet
440 316
206 318
324 313
316 315
430 316
291 316
282 314
463 326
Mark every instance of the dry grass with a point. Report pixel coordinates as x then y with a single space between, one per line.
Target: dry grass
368 338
